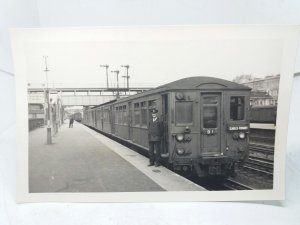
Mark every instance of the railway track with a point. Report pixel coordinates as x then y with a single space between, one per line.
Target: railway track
234 185
262 163
269 149
263 152
261 139
257 171
261 159
224 184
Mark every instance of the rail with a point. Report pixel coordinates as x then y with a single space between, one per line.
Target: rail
234 185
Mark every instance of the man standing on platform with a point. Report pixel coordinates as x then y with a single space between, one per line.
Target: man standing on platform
71 122
155 131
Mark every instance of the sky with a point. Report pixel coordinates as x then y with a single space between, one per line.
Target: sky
152 62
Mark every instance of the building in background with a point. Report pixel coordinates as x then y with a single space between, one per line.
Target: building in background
38 109
264 90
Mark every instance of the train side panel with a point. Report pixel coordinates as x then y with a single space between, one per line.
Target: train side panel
182 119
209 130
106 120
237 125
263 114
206 127
121 121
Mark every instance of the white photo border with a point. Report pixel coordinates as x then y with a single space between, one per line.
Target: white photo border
289 36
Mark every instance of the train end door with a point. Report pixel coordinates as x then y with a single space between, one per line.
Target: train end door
102 119
165 140
112 119
130 131
210 124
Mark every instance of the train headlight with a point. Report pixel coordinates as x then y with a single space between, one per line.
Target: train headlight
179 137
187 130
180 151
242 135
179 96
235 135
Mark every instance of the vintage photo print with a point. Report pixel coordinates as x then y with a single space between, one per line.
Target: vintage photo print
171 113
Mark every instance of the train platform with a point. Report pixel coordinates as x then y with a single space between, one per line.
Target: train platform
82 160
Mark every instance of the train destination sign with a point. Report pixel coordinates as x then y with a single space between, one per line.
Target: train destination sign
235 128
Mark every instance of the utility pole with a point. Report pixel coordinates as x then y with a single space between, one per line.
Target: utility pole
49 137
127 77
117 73
106 67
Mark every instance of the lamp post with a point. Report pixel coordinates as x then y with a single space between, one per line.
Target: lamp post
127 77
117 73
106 67
49 137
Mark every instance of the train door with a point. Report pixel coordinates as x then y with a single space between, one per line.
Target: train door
210 123
112 119
130 121
93 119
95 116
102 119
165 135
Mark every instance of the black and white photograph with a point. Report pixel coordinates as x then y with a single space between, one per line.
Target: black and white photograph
188 111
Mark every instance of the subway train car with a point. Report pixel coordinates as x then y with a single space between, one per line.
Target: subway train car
77 116
36 115
205 120
263 114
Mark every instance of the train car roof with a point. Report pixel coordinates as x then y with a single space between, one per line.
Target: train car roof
204 83
106 103
193 83
189 83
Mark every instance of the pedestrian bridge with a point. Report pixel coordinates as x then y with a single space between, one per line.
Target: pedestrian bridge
85 100
81 96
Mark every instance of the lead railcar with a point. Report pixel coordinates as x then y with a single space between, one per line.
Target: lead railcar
206 123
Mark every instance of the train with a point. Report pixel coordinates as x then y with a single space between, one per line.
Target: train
205 123
36 115
77 116
263 114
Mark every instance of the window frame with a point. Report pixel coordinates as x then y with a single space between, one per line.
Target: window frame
136 108
244 115
216 106
124 114
144 107
192 116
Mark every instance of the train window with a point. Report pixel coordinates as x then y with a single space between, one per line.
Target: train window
184 112
210 100
117 115
151 103
144 114
105 115
124 114
237 108
120 115
210 117
137 114
98 115
144 117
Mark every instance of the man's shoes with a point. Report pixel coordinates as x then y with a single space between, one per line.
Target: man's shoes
150 164
157 164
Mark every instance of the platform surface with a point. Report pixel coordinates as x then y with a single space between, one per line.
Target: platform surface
82 160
